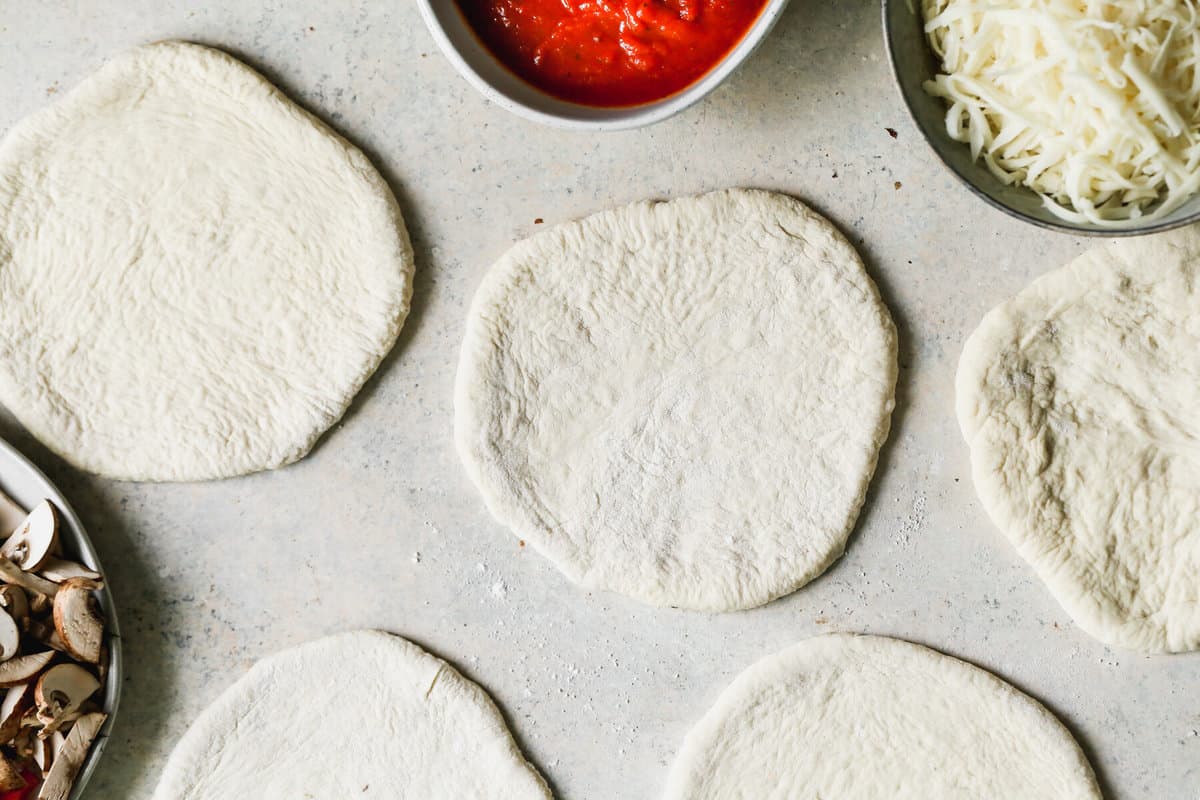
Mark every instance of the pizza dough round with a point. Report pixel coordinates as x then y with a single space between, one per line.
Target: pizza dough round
866 717
1080 399
196 275
681 401
362 714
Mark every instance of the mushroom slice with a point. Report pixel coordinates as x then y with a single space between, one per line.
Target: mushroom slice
77 619
39 604
57 741
10 636
10 773
34 541
14 600
59 570
22 744
69 758
103 667
60 692
43 753
17 700
11 514
23 669
35 584
45 633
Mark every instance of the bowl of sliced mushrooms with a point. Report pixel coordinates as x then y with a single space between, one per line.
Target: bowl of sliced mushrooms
60 659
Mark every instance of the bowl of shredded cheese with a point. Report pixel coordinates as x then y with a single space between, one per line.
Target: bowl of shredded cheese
1076 115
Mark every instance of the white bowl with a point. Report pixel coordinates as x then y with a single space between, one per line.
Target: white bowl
497 83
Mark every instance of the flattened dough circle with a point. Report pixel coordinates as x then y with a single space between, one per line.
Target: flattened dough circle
1080 399
680 401
362 714
866 717
196 275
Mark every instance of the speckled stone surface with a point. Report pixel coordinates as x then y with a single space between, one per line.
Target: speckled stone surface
380 528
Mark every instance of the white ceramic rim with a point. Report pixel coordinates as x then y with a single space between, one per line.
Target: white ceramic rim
78 545
631 117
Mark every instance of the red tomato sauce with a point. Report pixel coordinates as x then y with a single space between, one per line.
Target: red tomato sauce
32 781
611 52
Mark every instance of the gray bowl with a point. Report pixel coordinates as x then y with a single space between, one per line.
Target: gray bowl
913 63
26 484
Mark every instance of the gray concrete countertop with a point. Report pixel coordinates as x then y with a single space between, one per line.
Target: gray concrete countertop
380 528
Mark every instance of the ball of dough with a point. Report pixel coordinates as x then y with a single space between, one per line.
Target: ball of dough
865 718
680 401
1080 399
196 275
363 715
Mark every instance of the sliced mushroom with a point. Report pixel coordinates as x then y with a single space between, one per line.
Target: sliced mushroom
48 715
11 514
39 604
17 700
59 570
77 619
10 773
14 600
23 669
10 637
25 743
57 740
43 753
44 633
35 584
34 541
68 720
30 723
103 666
69 758
60 692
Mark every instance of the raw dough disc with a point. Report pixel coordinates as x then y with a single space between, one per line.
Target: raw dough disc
362 714
196 275
680 401
1080 399
865 718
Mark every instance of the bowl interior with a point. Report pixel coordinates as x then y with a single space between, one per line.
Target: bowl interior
914 63
491 77
26 484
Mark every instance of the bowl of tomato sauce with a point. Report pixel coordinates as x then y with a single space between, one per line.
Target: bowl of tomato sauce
598 64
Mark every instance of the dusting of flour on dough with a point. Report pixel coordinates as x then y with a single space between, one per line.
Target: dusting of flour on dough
363 709
196 275
1080 399
680 401
866 717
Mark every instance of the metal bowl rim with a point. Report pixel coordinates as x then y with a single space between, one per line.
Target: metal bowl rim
81 543
1158 226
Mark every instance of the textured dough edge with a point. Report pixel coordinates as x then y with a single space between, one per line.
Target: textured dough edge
174 783
514 517
998 328
821 650
43 123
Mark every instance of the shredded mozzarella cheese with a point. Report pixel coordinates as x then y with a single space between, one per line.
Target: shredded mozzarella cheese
1094 104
